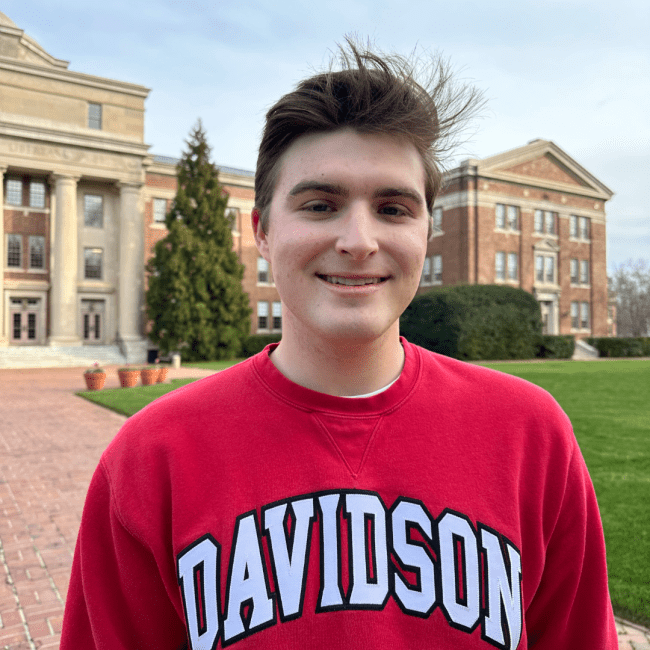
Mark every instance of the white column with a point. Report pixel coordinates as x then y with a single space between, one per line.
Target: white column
4 338
130 304
63 295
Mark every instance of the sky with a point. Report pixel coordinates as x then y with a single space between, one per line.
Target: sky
576 72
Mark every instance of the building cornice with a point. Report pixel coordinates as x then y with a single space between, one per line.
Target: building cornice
69 76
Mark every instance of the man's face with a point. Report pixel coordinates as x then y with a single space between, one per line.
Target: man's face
347 234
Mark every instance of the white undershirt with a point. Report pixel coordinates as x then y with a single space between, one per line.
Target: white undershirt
376 392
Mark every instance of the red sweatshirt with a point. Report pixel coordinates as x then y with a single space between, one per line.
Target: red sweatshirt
453 510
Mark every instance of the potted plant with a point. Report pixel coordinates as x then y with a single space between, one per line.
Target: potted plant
149 375
95 377
162 371
128 376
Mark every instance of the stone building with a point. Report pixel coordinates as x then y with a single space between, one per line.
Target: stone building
83 203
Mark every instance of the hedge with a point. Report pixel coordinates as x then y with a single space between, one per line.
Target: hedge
257 342
621 347
475 322
556 347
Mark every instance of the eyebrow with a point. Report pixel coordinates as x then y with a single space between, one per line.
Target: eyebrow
340 190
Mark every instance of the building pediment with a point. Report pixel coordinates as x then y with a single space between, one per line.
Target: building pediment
541 163
546 246
16 45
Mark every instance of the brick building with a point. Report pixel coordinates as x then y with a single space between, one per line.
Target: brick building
531 218
83 203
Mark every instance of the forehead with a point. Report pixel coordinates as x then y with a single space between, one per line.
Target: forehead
352 159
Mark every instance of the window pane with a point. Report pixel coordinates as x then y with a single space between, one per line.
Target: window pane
14 249
262 270
584 271
575 320
159 210
512 266
500 216
500 263
584 228
584 315
573 221
539 221
37 252
550 222
262 315
437 268
37 194
31 326
14 192
437 217
277 315
93 211
539 268
93 263
574 271
550 269
94 116
426 270
513 217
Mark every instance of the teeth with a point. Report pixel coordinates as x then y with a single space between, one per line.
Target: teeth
351 282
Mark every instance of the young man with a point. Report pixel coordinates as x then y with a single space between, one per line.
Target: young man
344 488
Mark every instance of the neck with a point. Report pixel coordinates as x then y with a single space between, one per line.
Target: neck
340 368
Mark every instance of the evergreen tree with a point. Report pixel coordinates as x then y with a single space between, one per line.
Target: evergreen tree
195 301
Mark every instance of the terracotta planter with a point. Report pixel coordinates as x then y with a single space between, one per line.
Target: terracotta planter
162 374
149 376
95 380
128 378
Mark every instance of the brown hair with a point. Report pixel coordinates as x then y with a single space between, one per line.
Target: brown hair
371 94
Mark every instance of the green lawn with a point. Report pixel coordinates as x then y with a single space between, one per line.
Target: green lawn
609 405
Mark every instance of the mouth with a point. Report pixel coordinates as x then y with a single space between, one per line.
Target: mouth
352 281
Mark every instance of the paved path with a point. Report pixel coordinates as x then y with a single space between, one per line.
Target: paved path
50 444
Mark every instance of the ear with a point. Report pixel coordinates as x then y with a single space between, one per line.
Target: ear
261 240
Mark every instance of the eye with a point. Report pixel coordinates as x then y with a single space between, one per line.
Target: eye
394 210
318 206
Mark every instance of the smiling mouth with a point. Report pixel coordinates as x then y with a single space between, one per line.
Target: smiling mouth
351 282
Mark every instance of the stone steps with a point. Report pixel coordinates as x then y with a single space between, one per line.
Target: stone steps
41 356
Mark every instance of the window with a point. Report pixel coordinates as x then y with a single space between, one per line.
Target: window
575 315
513 270
437 268
500 265
546 222
549 221
37 252
579 227
262 315
14 251
507 217
37 194
437 218
14 191
277 315
539 268
584 271
263 271
93 263
584 315
574 271
539 220
513 217
501 216
93 211
159 210
426 271
94 116
232 214
545 269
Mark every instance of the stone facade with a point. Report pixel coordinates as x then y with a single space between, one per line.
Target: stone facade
531 218
83 205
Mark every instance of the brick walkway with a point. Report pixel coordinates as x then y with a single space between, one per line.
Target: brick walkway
50 443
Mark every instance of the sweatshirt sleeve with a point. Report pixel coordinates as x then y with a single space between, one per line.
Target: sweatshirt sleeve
116 597
571 607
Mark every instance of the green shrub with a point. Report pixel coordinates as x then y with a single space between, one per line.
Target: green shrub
620 347
556 347
257 342
475 322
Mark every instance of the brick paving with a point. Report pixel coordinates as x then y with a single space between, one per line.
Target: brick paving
50 444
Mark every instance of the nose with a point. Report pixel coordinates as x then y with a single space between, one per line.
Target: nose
357 236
